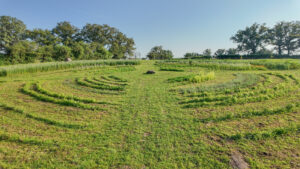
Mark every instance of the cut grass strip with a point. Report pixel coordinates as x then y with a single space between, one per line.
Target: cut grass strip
107 79
26 89
118 79
239 97
173 69
91 90
266 112
180 79
234 100
108 86
109 82
62 96
88 83
265 134
44 120
28 141
263 94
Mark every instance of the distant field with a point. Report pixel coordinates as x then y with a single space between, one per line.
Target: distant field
189 114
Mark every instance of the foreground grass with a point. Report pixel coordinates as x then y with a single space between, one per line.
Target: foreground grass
149 128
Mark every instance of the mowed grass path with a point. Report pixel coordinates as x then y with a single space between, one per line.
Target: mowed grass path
151 130
147 128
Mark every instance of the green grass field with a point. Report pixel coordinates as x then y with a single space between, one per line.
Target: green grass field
190 114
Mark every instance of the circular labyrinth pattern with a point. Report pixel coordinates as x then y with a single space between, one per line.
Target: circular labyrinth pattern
245 89
189 116
44 93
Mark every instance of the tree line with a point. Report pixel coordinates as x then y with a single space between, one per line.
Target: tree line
284 37
93 41
254 42
259 41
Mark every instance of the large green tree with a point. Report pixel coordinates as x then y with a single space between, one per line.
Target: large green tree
231 51
119 45
292 32
252 38
220 52
77 49
277 35
46 53
158 52
65 40
66 32
42 37
61 52
99 52
207 53
22 52
12 30
298 34
97 33
285 36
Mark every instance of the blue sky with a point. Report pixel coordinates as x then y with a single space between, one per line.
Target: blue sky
179 25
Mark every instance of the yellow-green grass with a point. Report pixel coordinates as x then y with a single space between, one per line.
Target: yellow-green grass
148 128
239 95
50 66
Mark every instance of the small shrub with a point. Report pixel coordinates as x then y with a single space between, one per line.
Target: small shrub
202 77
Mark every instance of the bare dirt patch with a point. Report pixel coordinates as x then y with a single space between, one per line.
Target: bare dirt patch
237 161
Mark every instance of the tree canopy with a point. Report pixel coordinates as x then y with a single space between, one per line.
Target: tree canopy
42 37
158 52
12 30
207 52
284 37
111 38
65 32
93 41
252 38
220 52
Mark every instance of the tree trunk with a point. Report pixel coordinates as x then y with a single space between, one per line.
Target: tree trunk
279 50
253 51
